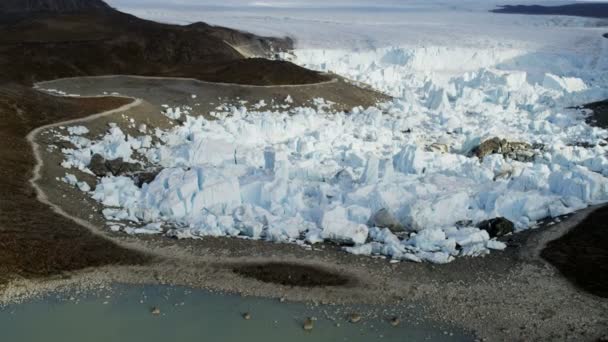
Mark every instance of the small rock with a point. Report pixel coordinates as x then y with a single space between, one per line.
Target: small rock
464 223
395 321
246 316
438 148
354 318
308 324
155 311
497 227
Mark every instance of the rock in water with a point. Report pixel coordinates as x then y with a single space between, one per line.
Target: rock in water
384 219
308 324
395 321
354 318
497 227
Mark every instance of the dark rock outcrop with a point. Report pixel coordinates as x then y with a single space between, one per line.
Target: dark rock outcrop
117 167
54 6
145 177
599 117
88 38
515 150
497 227
591 10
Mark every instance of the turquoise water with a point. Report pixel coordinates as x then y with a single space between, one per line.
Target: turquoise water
123 313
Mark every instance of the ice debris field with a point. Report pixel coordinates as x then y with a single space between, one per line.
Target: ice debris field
471 135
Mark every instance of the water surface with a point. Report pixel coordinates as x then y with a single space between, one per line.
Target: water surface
123 313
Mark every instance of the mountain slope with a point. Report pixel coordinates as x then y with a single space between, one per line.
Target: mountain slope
57 6
88 38
591 10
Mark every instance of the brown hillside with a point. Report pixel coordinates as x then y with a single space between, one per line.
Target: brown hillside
42 45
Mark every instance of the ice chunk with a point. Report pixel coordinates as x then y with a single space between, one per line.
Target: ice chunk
78 130
580 183
70 179
338 228
370 176
180 193
567 84
365 249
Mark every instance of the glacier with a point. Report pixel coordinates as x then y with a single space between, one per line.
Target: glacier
308 175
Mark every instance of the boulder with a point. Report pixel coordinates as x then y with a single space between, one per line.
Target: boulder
308 324
118 167
520 151
354 318
395 321
98 165
488 147
101 167
497 227
145 177
384 219
438 148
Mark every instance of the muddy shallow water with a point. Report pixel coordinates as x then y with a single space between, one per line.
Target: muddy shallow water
124 313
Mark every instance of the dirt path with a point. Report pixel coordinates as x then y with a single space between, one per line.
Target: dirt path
31 138
35 242
181 79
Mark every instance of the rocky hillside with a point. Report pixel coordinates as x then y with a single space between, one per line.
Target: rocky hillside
591 10
55 6
87 38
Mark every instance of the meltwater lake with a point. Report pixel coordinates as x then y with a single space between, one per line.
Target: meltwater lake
124 313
